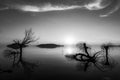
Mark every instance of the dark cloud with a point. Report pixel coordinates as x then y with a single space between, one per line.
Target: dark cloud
54 5
112 8
35 2
3 7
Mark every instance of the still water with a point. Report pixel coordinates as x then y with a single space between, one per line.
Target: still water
52 64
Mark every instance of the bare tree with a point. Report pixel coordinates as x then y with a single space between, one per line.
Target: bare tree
84 48
105 48
20 44
85 58
28 38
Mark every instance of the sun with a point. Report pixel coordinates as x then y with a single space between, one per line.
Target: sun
69 40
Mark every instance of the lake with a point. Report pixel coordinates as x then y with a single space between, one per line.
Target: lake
52 64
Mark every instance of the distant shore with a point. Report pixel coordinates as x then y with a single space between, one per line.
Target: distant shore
49 45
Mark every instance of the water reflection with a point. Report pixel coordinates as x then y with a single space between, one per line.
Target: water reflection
85 59
5 71
15 53
69 50
18 62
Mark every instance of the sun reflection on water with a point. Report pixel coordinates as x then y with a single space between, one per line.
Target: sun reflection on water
69 50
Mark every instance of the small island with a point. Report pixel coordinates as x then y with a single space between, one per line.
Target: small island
49 45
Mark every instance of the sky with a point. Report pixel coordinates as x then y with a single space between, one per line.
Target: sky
61 21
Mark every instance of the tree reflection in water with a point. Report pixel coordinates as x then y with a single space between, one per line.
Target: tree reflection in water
15 53
18 62
85 59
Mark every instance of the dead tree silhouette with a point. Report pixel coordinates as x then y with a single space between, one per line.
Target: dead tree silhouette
15 52
84 58
105 48
84 48
85 54
20 44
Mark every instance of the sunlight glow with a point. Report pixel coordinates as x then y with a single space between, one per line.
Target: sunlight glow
69 41
69 50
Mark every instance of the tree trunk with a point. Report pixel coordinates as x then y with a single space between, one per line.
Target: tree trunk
86 49
107 59
21 51
14 60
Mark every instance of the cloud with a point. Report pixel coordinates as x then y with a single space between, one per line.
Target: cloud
57 5
110 12
45 8
4 8
114 7
95 5
53 6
